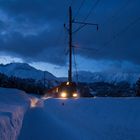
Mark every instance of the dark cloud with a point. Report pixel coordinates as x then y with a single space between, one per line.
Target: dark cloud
118 35
2 25
34 9
33 47
33 30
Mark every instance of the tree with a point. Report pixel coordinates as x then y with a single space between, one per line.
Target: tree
138 87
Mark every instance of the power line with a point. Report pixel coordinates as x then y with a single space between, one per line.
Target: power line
120 10
75 65
71 22
119 34
114 37
122 31
61 33
84 24
90 11
72 2
78 29
65 43
78 11
88 49
83 21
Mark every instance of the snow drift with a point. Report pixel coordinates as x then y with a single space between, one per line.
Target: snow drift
83 119
13 105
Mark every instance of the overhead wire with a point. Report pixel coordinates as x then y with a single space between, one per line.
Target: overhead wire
114 36
88 49
94 50
77 13
65 16
119 34
91 9
86 17
61 33
62 30
122 9
80 7
75 65
72 2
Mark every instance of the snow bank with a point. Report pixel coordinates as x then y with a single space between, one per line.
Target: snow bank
13 105
94 119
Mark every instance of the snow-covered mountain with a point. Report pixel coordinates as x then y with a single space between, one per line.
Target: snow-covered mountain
23 70
89 77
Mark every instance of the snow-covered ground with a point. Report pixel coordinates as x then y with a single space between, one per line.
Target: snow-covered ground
83 119
13 105
69 119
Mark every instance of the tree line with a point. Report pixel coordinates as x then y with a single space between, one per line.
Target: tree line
27 85
121 89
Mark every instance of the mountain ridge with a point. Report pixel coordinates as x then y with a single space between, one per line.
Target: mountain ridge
110 77
24 70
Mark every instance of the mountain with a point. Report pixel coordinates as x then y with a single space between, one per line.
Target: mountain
110 77
23 70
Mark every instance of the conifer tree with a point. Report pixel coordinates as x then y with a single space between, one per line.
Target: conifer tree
138 87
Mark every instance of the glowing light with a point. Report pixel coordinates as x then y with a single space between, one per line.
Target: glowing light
67 83
75 95
45 97
56 89
33 102
63 95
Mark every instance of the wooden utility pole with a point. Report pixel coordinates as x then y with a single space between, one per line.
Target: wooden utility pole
71 21
70 46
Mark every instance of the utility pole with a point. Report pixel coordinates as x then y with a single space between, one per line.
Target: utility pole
70 30
70 46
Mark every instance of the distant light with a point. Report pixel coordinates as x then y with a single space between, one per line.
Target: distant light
63 94
67 83
45 97
75 95
33 102
56 89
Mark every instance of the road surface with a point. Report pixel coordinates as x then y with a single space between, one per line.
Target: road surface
83 119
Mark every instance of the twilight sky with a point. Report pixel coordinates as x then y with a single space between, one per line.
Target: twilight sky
32 31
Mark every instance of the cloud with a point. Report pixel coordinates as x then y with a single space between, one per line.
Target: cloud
33 47
33 30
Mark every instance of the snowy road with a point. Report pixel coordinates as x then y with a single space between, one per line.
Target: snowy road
83 119
38 125
53 121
